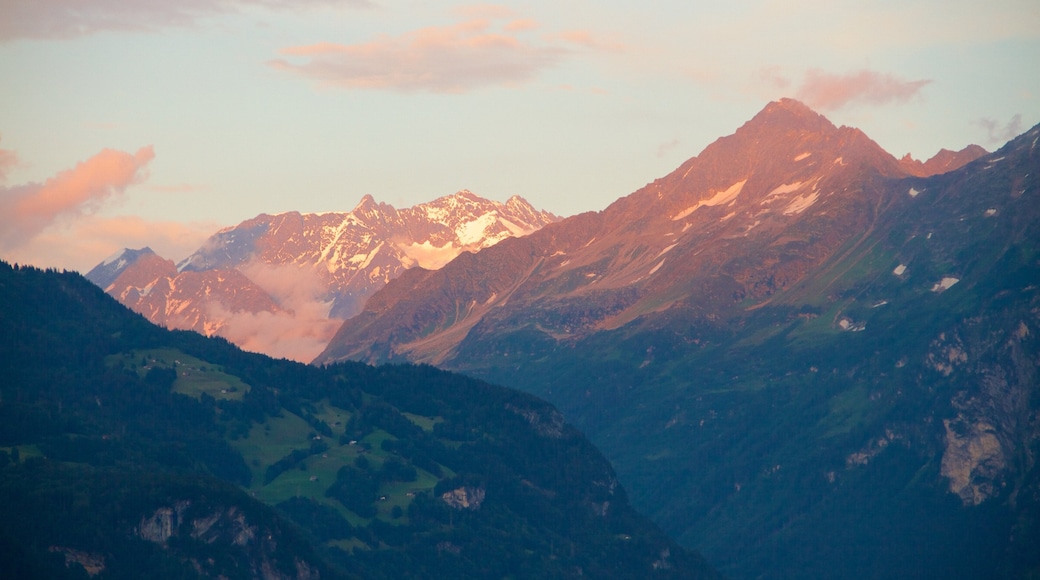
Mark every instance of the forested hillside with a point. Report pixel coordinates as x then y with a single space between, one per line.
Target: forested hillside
127 450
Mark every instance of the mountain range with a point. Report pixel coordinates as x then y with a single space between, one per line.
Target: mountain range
281 284
805 357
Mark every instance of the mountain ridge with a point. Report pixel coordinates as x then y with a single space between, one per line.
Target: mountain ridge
743 166
277 283
804 359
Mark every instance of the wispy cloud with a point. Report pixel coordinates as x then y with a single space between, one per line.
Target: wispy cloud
299 331
667 147
81 243
999 133
55 19
829 91
25 210
588 39
469 55
8 160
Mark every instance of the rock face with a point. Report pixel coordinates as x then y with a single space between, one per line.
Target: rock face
222 527
800 353
464 498
273 283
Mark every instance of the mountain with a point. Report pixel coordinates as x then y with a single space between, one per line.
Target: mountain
802 359
942 162
130 451
272 283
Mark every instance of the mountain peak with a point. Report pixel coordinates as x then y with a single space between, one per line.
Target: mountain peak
943 161
788 114
367 201
108 270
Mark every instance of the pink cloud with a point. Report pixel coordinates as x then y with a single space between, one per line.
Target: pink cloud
449 59
495 11
520 25
72 18
300 331
828 91
80 244
25 210
8 160
587 39
774 77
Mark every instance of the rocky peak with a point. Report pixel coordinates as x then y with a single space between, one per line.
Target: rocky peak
942 162
107 271
787 115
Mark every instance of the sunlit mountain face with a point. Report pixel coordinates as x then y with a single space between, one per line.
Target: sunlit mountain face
805 357
282 284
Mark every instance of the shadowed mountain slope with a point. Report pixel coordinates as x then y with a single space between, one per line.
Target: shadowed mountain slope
129 451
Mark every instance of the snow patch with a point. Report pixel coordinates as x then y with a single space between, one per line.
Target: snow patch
900 269
945 284
514 229
786 188
913 192
720 197
801 203
472 232
665 251
363 260
991 212
657 267
114 257
802 156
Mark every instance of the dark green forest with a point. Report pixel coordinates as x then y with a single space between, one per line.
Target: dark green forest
127 450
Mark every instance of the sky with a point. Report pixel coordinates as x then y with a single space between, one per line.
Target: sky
131 123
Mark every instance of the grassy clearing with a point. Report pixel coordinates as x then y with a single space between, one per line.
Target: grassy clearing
334 417
194 376
424 423
279 436
270 441
848 410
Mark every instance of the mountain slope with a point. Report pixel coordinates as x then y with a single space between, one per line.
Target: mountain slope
803 360
598 271
127 450
271 284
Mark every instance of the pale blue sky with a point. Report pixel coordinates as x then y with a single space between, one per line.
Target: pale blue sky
255 106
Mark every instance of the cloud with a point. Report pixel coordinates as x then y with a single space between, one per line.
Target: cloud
587 39
666 148
8 160
300 331
773 77
1001 134
520 25
25 210
55 19
81 243
451 59
828 91
495 11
